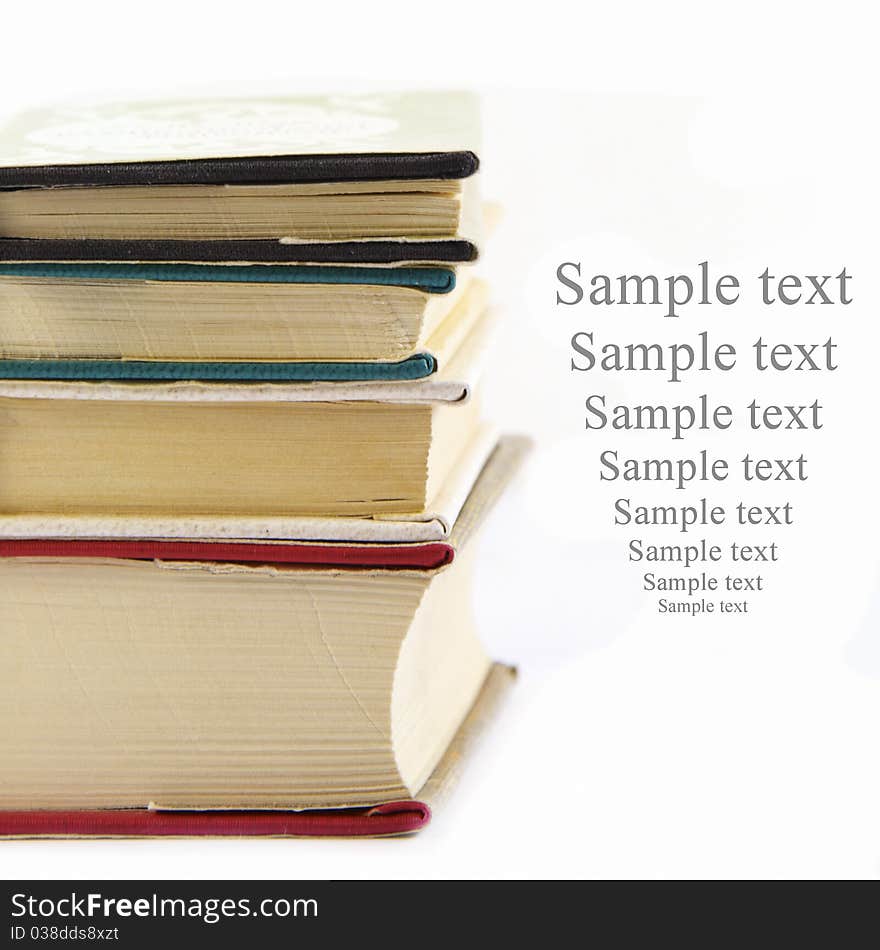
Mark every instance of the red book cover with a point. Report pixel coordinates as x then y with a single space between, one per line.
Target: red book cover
393 818
418 556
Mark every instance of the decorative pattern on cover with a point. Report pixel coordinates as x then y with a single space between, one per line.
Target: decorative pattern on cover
397 135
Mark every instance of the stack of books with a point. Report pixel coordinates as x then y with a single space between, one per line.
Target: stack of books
242 461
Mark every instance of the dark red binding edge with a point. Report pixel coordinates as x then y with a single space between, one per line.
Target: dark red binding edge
392 818
424 556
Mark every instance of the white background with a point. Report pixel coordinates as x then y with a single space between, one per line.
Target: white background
644 139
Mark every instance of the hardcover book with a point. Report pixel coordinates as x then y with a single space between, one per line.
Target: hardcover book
401 817
315 180
426 539
166 697
259 323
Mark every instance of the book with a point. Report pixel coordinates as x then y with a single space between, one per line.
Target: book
259 449
425 539
206 685
182 178
227 323
242 465
389 818
430 525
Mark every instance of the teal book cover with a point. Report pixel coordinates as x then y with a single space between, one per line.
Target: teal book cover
417 366
437 280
